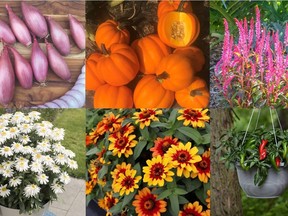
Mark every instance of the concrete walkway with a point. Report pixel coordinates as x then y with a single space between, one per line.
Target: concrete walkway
72 201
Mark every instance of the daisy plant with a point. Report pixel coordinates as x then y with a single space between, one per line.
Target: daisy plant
149 162
33 163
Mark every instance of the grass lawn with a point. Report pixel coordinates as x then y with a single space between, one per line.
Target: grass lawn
74 122
266 207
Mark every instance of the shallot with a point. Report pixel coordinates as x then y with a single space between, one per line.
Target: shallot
23 69
77 32
59 37
39 62
57 63
7 78
19 28
34 20
6 34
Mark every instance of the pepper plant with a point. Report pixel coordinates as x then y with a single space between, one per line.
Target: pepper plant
259 148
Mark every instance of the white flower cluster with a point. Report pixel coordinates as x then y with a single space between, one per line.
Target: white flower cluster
31 156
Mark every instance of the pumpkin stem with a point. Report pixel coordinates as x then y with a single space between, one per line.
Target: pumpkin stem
104 50
181 6
162 76
197 92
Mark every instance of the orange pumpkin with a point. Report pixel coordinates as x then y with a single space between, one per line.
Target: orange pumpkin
175 72
150 50
195 54
194 96
149 93
111 32
166 6
93 81
119 65
178 29
107 96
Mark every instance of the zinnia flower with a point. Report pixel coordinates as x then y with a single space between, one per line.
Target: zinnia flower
162 145
158 171
208 199
126 182
195 117
89 187
145 116
203 168
107 202
122 144
184 158
146 204
192 209
110 123
120 168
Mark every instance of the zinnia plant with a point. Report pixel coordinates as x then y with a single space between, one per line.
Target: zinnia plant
33 163
253 70
149 162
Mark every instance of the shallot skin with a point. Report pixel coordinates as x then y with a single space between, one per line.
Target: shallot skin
59 37
34 20
57 63
7 78
22 69
6 34
77 32
39 62
19 28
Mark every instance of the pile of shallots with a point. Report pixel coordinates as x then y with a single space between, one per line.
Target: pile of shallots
34 25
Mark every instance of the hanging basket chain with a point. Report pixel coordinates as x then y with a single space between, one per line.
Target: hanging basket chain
248 127
257 119
273 126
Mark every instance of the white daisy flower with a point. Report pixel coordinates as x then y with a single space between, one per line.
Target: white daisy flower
55 169
25 139
26 119
72 164
14 182
37 156
17 118
6 116
64 178
61 159
6 151
7 164
57 188
57 147
36 167
43 131
69 153
4 135
44 146
14 132
48 161
17 147
31 190
43 179
58 134
34 115
7 173
4 191
25 128
21 164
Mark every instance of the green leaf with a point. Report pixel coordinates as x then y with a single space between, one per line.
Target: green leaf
180 191
173 115
145 133
128 198
117 208
92 151
174 203
191 185
164 194
138 149
160 124
158 190
126 121
182 200
88 199
102 172
191 133
206 139
137 167
200 194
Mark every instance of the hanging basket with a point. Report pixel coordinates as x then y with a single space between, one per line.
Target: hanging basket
4 211
274 185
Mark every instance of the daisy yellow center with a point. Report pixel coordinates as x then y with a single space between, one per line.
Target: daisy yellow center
157 170
149 204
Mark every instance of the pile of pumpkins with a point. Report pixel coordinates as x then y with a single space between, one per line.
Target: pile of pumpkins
169 65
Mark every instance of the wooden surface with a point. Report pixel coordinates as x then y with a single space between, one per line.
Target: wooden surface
55 87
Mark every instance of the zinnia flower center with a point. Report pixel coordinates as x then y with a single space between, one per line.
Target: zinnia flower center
165 146
194 115
203 164
157 170
183 157
121 141
145 114
110 202
128 182
149 204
